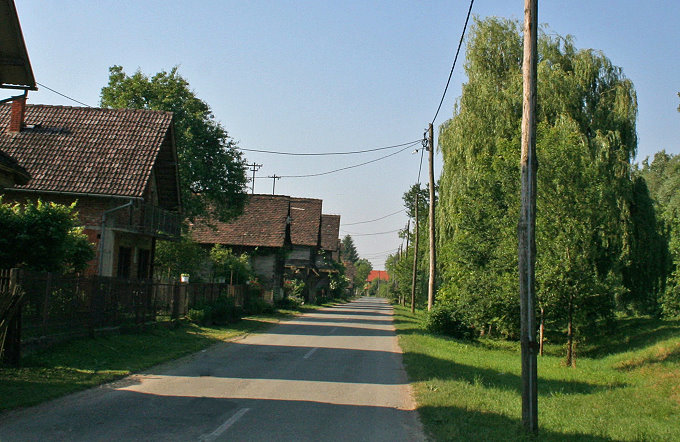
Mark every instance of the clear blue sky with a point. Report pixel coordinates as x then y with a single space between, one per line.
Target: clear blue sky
335 75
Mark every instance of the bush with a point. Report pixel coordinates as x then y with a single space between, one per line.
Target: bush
221 312
257 306
444 319
290 303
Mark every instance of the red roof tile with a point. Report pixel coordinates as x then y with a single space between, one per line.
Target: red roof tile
330 230
86 150
378 274
263 223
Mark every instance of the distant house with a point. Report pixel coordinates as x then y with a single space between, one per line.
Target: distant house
378 274
119 165
284 236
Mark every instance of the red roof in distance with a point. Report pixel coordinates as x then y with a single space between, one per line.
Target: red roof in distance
378 274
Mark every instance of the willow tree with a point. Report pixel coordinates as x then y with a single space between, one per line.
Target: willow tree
586 141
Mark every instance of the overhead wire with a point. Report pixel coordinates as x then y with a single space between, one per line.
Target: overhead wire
373 220
353 166
372 234
351 152
63 95
455 59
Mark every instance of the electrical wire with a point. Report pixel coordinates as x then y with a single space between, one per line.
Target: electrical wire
273 152
373 220
63 95
371 234
460 43
351 167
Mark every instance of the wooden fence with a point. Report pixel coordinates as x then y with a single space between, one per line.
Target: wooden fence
58 307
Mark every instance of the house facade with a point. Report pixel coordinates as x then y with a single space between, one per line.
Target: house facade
11 173
118 165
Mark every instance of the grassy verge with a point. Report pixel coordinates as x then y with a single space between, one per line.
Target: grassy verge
84 363
624 388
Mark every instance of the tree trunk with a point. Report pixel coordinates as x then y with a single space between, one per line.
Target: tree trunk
570 332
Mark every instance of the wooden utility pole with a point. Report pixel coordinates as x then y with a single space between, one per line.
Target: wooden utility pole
274 178
433 261
254 167
415 258
527 222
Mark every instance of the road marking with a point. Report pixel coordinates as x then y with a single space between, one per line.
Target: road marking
225 426
333 331
310 352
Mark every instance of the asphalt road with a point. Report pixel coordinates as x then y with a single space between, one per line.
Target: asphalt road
335 374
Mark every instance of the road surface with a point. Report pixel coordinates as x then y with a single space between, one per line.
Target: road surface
335 374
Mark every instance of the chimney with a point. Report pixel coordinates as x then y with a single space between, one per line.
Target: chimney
17 118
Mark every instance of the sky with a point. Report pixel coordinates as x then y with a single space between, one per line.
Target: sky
335 76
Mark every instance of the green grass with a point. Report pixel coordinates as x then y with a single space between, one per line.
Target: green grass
625 387
83 363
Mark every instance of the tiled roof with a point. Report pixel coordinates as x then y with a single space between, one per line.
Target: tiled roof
21 176
86 150
378 274
305 225
330 230
262 224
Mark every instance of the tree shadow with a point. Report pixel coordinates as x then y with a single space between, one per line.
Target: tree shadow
632 334
424 368
459 424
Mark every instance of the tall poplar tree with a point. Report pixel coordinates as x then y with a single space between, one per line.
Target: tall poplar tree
586 228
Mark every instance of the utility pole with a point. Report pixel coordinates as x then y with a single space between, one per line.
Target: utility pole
274 178
254 168
415 258
433 262
527 222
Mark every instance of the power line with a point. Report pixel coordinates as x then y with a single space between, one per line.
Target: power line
371 234
274 152
351 167
460 43
373 220
63 95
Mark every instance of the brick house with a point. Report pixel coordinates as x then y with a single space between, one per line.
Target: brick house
118 165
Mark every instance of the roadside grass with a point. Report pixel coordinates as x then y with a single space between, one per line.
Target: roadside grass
83 363
626 387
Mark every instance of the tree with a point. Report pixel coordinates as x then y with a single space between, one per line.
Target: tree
184 256
43 237
662 177
211 171
234 268
586 231
349 250
363 268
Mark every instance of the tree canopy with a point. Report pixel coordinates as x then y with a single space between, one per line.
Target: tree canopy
211 171
349 250
589 210
44 237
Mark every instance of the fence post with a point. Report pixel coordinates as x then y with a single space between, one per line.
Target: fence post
175 301
12 350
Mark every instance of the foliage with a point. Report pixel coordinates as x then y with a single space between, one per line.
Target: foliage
211 169
338 283
221 312
43 236
230 266
257 306
662 177
363 268
349 250
444 319
176 257
293 290
594 222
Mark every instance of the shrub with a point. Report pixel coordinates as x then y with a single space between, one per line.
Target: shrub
444 319
220 312
257 306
